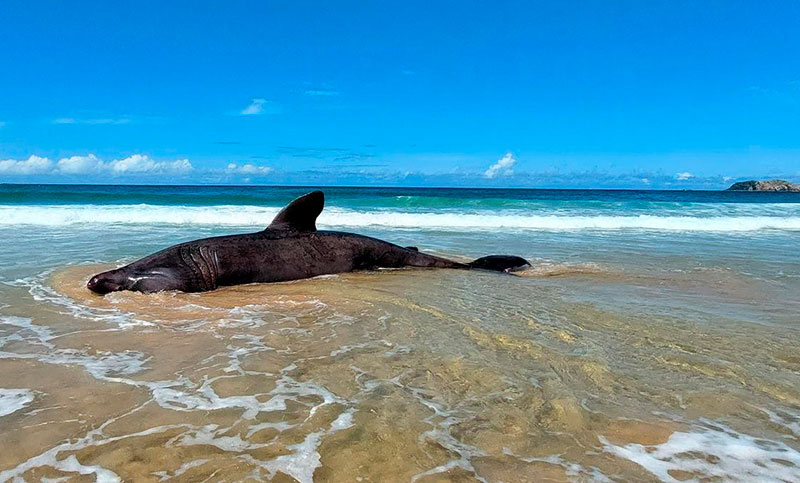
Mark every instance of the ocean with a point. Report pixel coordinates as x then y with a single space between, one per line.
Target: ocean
654 338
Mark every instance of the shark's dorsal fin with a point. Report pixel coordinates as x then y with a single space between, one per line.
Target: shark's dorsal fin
301 214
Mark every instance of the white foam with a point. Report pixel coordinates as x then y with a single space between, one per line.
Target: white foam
344 421
71 464
785 418
210 435
742 220
102 475
574 470
442 419
163 475
12 400
183 395
279 427
102 365
301 463
304 459
26 331
712 450
178 395
41 292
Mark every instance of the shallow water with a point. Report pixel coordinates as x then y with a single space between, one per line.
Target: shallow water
620 355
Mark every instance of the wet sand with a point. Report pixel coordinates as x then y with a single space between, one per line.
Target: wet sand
567 372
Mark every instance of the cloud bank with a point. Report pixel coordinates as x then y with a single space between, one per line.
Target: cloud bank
138 164
137 168
323 167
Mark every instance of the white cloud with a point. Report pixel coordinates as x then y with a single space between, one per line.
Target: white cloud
139 163
684 176
248 168
91 164
32 165
79 164
503 167
255 108
135 164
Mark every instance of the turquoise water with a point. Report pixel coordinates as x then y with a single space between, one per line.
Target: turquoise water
677 229
655 334
423 209
625 201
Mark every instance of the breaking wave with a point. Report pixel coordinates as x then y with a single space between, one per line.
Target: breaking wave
256 216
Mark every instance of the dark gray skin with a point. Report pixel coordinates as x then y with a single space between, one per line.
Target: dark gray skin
291 248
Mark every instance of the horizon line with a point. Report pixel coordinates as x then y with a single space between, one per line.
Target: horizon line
483 188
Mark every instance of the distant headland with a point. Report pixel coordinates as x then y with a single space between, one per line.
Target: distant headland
767 185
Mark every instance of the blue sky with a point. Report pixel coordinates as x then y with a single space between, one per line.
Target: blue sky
542 94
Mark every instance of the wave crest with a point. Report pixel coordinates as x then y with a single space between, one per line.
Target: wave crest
256 216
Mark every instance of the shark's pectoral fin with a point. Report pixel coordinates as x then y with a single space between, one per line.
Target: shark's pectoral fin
301 214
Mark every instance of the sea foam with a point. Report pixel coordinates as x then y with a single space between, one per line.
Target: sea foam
12 400
712 450
745 220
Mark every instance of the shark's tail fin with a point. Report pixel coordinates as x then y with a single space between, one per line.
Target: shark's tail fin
500 263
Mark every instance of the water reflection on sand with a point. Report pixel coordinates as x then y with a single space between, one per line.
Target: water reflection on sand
568 372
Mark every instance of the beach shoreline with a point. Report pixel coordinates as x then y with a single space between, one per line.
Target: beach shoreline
625 352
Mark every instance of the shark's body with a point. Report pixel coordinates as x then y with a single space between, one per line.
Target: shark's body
291 248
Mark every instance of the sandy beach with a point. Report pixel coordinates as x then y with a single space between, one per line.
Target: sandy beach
628 355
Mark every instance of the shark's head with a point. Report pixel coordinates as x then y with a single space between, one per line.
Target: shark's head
110 281
133 277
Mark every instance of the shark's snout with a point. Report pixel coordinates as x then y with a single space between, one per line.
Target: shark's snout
104 283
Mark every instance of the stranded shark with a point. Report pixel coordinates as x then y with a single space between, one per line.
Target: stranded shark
290 248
